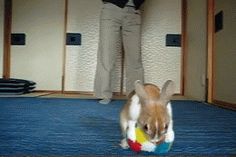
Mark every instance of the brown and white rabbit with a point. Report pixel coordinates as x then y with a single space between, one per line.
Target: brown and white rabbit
150 109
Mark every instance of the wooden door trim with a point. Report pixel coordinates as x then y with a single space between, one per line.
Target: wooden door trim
210 49
183 45
7 38
64 47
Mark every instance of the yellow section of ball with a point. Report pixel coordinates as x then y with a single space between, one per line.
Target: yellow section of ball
141 137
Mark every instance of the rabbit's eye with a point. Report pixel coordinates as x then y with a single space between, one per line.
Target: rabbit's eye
145 127
166 126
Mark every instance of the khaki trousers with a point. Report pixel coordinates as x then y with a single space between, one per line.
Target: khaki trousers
118 24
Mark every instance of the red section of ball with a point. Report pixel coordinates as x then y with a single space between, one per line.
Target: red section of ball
135 146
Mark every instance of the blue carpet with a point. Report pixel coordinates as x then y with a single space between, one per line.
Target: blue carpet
42 126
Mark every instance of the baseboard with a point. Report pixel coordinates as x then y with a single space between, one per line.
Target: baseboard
224 104
83 94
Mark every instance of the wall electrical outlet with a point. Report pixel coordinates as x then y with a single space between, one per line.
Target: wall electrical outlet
18 39
173 40
73 39
219 21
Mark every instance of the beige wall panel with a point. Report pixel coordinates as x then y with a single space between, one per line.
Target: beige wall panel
1 35
196 49
40 59
161 63
83 17
225 53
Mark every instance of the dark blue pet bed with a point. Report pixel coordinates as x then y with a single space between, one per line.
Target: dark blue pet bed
16 86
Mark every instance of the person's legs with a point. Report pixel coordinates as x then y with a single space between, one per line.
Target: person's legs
131 33
109 37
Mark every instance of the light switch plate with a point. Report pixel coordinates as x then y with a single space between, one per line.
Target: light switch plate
73 39
18 39
173 40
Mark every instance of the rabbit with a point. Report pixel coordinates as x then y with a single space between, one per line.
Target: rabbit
151 110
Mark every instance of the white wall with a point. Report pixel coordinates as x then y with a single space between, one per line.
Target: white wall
83 17
1 36
196 49
225 53
160 17
40 60
81 61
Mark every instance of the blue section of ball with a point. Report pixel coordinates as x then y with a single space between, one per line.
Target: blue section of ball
163 148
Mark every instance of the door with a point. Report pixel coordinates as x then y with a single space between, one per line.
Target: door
40 58
222 54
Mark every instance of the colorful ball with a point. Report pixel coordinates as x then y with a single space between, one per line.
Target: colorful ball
142 143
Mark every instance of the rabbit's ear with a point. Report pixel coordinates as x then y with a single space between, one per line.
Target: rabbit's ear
140 91
167 91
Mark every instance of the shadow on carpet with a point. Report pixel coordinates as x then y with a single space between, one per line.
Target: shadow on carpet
50 126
